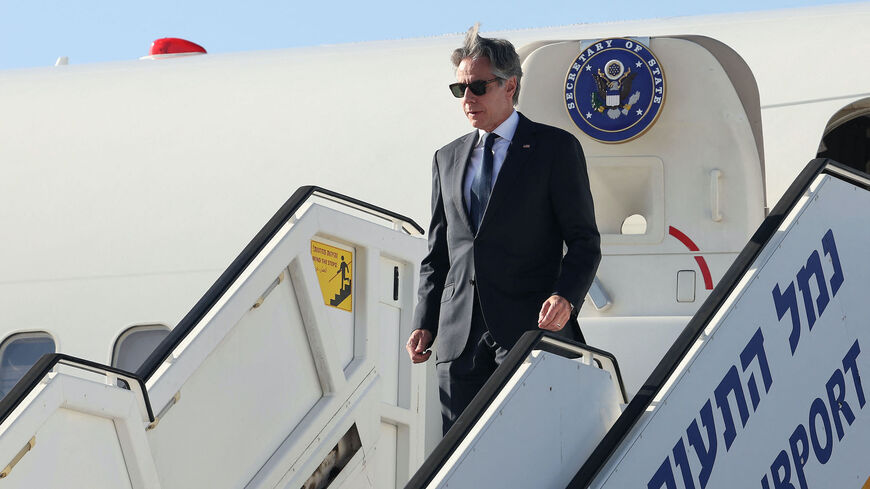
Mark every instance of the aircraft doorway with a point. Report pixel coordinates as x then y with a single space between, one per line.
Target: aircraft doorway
847 136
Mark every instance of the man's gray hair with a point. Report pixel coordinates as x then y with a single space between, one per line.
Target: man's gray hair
500 52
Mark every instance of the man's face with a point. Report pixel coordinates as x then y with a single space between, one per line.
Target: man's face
489 110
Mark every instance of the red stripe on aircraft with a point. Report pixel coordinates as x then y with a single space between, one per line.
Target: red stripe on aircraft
702 263
683 238
705 272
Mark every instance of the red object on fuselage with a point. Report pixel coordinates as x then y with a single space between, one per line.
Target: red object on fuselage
175 45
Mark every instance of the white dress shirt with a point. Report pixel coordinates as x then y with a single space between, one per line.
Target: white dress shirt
505 133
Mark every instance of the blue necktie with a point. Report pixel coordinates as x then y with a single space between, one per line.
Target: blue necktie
481 186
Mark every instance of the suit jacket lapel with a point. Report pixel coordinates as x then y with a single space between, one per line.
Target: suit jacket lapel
460 165
521 147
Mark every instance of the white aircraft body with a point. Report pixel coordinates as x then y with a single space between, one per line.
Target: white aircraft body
130 186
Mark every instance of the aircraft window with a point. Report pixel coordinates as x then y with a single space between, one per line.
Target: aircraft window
18 353
634 224
135 344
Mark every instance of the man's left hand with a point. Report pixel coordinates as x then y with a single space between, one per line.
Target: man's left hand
554 313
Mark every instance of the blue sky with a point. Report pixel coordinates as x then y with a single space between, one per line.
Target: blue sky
36 32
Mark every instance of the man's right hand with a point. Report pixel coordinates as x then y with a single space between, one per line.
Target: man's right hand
418 345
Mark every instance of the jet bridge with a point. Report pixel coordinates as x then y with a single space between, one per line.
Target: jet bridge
762 389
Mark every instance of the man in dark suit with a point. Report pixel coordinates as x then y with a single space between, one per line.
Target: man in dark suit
505 198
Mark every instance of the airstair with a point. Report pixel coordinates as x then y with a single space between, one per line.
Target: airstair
264 384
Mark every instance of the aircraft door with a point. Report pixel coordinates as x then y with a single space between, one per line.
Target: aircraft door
847 136
676 200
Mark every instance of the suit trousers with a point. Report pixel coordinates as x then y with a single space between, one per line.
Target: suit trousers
461 379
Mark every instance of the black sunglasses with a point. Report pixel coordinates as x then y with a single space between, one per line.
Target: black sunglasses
478 87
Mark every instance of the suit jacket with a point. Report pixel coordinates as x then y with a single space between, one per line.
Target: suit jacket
540 200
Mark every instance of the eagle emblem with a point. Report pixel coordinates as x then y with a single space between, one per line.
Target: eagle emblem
614 89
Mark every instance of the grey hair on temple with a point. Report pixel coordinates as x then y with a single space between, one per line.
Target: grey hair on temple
500 52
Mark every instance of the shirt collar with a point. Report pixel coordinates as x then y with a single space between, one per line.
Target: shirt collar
505 130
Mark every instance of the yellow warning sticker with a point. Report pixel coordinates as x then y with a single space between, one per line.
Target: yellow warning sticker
334 267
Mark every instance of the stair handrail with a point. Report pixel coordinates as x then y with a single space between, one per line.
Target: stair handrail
528 342
49 361
247 255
